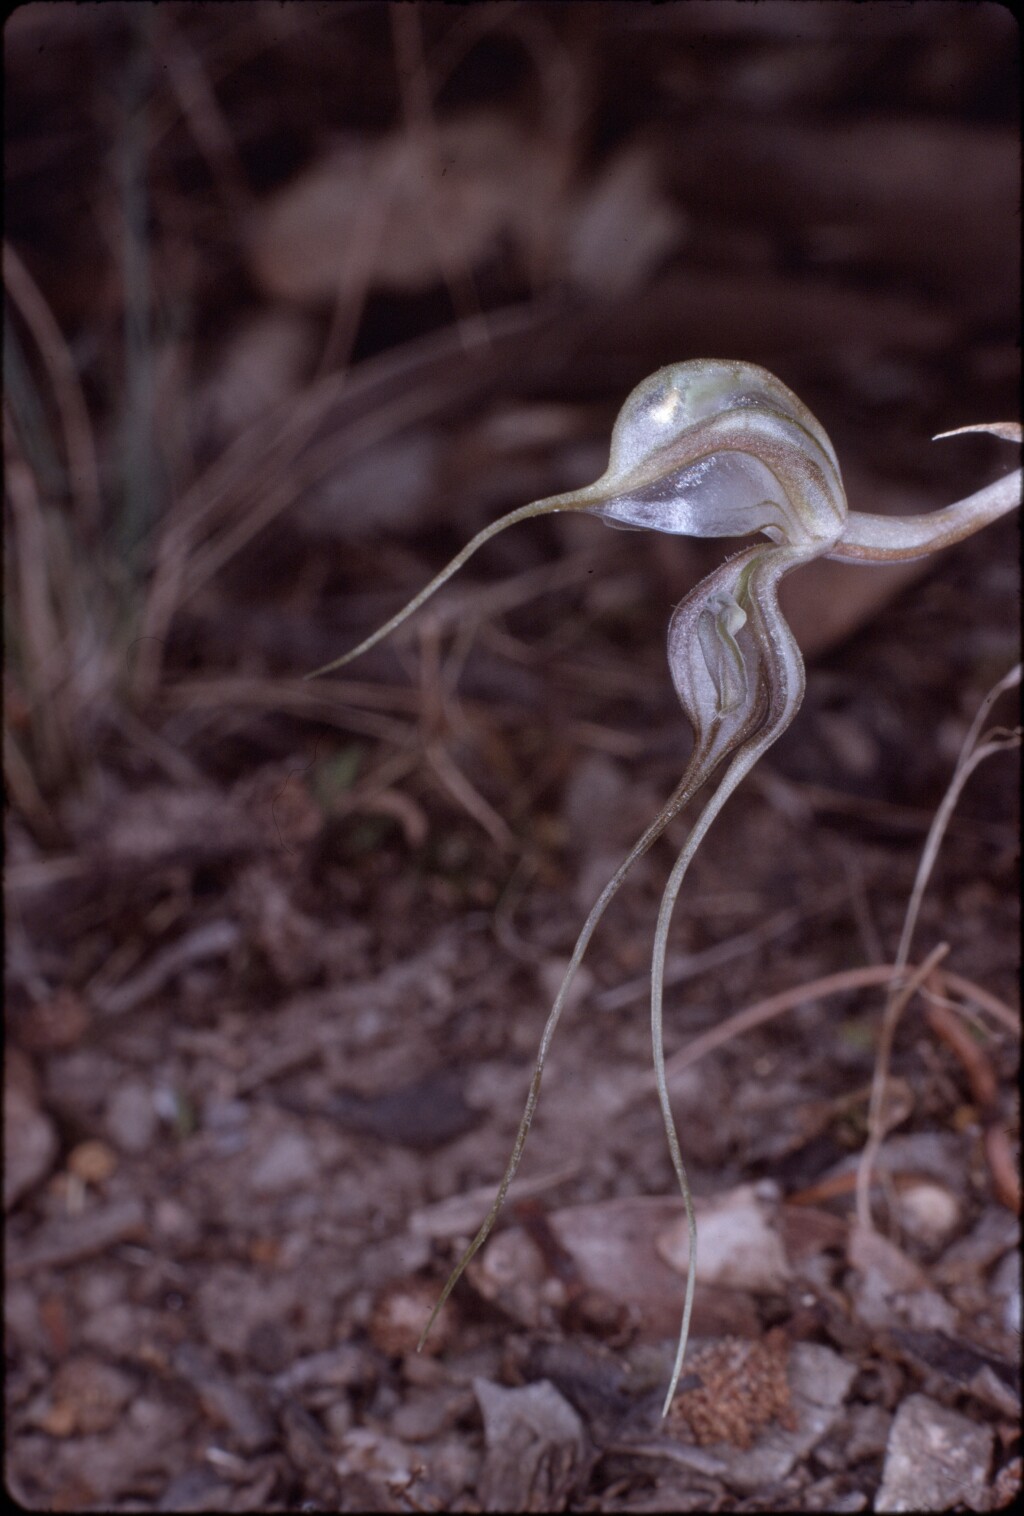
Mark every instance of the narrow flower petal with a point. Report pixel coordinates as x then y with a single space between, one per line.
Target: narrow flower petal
896 539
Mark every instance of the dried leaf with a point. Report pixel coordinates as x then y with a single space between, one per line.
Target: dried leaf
621 227
364 213
740 1246
537 1452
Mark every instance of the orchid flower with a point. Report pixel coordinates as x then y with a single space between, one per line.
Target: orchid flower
712 448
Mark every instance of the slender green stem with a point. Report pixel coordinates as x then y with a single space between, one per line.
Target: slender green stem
786 683
696 773
736 771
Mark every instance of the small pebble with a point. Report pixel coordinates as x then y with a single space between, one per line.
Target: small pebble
929 1212
132 1117
936 1460
287 1163
92 1162
30 1143
1006 1289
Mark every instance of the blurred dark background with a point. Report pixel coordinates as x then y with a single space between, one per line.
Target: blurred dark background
297 298
293 286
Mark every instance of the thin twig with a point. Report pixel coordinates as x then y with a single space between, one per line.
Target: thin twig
363 410
83 469
472 802
688 966
741 1022
422 168
984 1092
214 699
45 661
985 1000
192 87
973 752
214 939
970 757
25 794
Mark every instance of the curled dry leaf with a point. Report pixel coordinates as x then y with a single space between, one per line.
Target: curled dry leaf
537 1451
363 212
